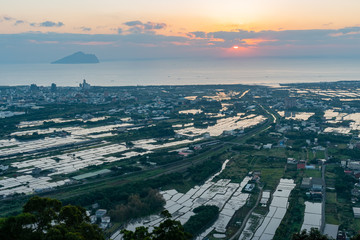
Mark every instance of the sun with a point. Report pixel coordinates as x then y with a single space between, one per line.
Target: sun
235 47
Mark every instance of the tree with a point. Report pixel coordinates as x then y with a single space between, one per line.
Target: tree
314 234
204 215
47 219
168 229
356 237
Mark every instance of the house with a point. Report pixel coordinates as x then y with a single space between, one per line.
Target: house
100 213
341 235
291 161
356 212
306 183
105 219
354 165
301 164
249 187
316 184
291 164
93 219
267 146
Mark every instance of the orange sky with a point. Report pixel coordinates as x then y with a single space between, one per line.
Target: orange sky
180 16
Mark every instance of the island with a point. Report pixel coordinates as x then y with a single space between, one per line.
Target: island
78 58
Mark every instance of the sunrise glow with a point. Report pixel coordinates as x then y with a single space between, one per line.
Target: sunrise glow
118 29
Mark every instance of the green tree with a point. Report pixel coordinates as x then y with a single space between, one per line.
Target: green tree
204 215
356 237
314 234
168 229
47 219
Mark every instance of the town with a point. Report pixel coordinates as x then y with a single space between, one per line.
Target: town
273 160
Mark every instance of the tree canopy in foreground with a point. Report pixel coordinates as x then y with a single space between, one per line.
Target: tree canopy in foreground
45 218
168 229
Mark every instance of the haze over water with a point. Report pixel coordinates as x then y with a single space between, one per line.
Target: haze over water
268 71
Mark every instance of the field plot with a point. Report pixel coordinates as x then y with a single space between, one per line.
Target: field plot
333 116
78 135
342 94
223 194
277 210
224 124
313 216
71 162
296 115
27 184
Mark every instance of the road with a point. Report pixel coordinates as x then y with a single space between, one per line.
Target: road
243 224
323 166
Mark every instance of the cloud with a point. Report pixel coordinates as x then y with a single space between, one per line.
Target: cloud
85 29
152 25
311 37
133 23
19 22
9 19
197 34
51 24
125 44
47 24
139 27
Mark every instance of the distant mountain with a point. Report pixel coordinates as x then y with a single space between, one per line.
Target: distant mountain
77 58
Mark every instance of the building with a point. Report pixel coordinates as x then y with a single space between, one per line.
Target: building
331 230
105 219
301 164
314 187
290 102
100 213
53 87
93 219
84 85
265 198
249 187
267 146
306 183
356 212
354 165
316 184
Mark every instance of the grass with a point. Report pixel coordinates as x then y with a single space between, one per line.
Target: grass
236 169
312 173
356 224
271 177
181 188
331 219
320 154
331 197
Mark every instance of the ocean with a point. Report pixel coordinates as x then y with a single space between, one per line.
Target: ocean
269 71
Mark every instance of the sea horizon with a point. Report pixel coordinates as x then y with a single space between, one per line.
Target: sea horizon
250 71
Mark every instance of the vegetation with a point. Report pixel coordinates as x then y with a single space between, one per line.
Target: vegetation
161 130
138 206
169 229
314 234
204 215
45 218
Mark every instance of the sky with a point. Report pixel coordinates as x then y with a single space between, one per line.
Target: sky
45 30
